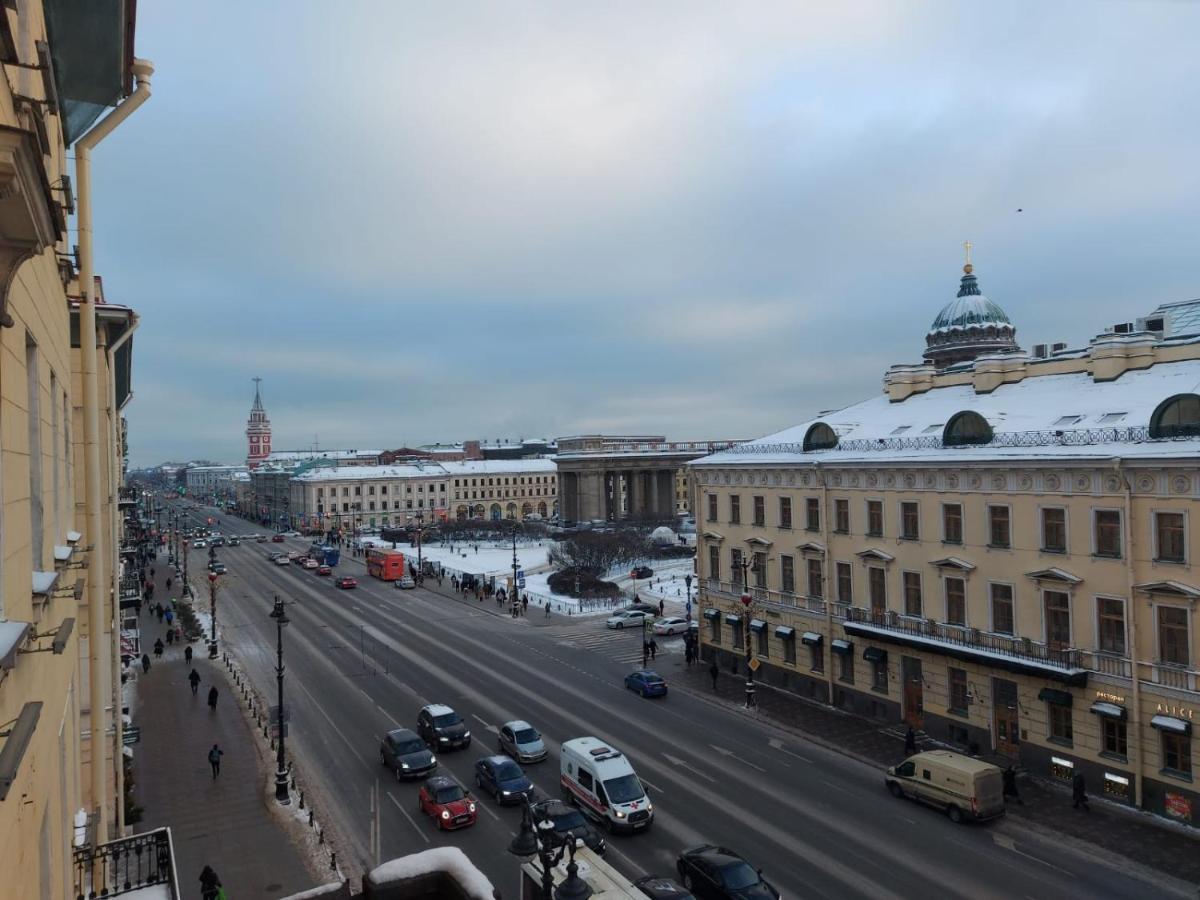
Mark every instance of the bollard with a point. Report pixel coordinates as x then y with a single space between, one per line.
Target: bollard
272 743
310 818
320 835
302 799
333 861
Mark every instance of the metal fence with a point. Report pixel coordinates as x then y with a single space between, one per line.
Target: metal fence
126 865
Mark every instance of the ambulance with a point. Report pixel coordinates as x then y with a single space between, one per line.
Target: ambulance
599 779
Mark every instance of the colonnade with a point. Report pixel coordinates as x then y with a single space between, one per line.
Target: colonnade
614 494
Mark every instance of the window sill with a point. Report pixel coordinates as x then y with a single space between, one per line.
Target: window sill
874 534
999 546
1170 562
840 531
1062 742
1115 556
951 543
1115 757
1055 551
849 681
962 713
880 690
818 672
1176 774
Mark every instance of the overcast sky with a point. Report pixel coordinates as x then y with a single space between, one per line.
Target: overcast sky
438 221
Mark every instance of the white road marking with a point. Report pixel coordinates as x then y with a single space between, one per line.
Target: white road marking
676 761
492 728
411 820
1008 844
653 787
777 744
836 787
733 755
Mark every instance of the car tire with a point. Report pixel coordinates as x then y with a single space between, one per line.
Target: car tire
897 791
619 626
498 797
642 691
397 771
954 813
478 781
382 759
687 882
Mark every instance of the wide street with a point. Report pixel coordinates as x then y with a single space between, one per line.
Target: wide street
362 661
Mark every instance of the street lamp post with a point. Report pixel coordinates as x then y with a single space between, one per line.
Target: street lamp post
281 774
747 614
212 609
420 532
528 844
514 599
687 580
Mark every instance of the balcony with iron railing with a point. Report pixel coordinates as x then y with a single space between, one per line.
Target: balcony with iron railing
734 590
141 863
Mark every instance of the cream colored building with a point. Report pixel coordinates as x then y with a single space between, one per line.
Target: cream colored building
999 552
502 488
60 514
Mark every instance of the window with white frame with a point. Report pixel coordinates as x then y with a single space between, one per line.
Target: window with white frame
1056 606
1107 530
912 593
1054 529
1003 621
1173 644
956 600
1170 541
1110 625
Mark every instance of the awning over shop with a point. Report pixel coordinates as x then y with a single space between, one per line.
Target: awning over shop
1108 710
812 638
784 632
875 655
757 625
1172 724
840 646
1057 697
712 614
732 619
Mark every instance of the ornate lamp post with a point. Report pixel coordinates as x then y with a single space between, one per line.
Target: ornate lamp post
212 608
529 844
747 616
281 774
687 580
514 599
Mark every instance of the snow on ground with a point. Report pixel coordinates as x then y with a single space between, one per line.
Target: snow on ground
492 557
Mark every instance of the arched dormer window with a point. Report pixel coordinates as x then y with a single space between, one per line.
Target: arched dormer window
1177 416
820 437
965 429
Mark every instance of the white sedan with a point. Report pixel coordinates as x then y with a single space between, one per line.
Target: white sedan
671 625
311 563
633 617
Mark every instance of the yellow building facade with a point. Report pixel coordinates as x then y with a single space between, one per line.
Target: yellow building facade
60 778
998 553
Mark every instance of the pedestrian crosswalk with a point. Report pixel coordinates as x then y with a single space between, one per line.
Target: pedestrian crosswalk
623 645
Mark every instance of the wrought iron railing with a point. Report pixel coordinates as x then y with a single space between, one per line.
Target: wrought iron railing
126 865
653 447
1078 437
962 636
735 589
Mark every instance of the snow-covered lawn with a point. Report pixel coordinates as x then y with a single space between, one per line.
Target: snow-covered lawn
492 558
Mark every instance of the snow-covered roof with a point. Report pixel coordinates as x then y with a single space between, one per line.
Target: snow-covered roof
371 473
1072 402
284 455
499 466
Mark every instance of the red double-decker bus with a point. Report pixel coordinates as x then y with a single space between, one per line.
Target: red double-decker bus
386 565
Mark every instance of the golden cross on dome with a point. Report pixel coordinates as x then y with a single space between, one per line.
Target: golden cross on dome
967 247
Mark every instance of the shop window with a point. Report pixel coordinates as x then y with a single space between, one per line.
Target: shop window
879 676
959 694
1116 786
789 648
846 668
714 631
736 628
818 657
763 640
1113 737
1177 752
1061 729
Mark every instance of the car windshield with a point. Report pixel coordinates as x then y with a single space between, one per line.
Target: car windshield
446 719
415 745
449 794
569 820
738 875
525 736
625 789
508 771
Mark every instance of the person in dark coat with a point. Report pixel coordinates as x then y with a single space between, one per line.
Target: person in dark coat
145 663
212 698
1010 785
661 606
653 647
194 679
209 884
170 635
687 653
214 760
187 655
910 741
714 672
158 648
1079 792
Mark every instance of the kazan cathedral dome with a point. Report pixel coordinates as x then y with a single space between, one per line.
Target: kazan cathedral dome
968 326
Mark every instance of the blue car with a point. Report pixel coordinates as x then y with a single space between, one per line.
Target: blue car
646 683
503 779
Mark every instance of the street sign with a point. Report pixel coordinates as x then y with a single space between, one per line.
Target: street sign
520 573
273 713
754 664
520 582
131 735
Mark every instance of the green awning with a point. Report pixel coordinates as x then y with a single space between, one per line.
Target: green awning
1057 697
875 655
91 50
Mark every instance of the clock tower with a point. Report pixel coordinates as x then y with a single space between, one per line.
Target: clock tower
258 432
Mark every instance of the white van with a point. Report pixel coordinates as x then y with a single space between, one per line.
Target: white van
964 788
598 778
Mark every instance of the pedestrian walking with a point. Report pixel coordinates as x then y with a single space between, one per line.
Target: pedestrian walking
158 648
661 606
170 615
170 635
714 672
1010 785
653 648
194 680
910 741
214 760
210 884
1079 792
547 609
168 582
687 654
187 654
212 698
158 610
145 663
525 604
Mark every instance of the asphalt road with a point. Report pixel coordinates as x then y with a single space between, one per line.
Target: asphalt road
362 661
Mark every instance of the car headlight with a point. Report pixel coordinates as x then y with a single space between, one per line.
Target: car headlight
472 807
466 734
506 793
432 758
620 815
404 765
649 806
443 739
445 813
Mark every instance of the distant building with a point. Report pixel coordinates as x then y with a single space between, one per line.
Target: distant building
258 432
208 481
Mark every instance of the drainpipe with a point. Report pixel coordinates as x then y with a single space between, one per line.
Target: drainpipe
115 649
1136 743
99 561
822 479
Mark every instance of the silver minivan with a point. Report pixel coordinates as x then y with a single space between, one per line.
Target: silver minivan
963 787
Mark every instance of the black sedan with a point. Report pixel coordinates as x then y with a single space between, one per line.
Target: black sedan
715 873
402 751
564 819
503 779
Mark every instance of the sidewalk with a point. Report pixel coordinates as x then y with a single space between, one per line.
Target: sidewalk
1113 829
226 822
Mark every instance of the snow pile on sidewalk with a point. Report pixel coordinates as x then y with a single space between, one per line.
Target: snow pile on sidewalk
449 861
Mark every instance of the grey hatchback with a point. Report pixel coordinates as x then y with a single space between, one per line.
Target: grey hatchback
406 755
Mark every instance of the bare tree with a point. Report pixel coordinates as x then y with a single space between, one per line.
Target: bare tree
597 554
